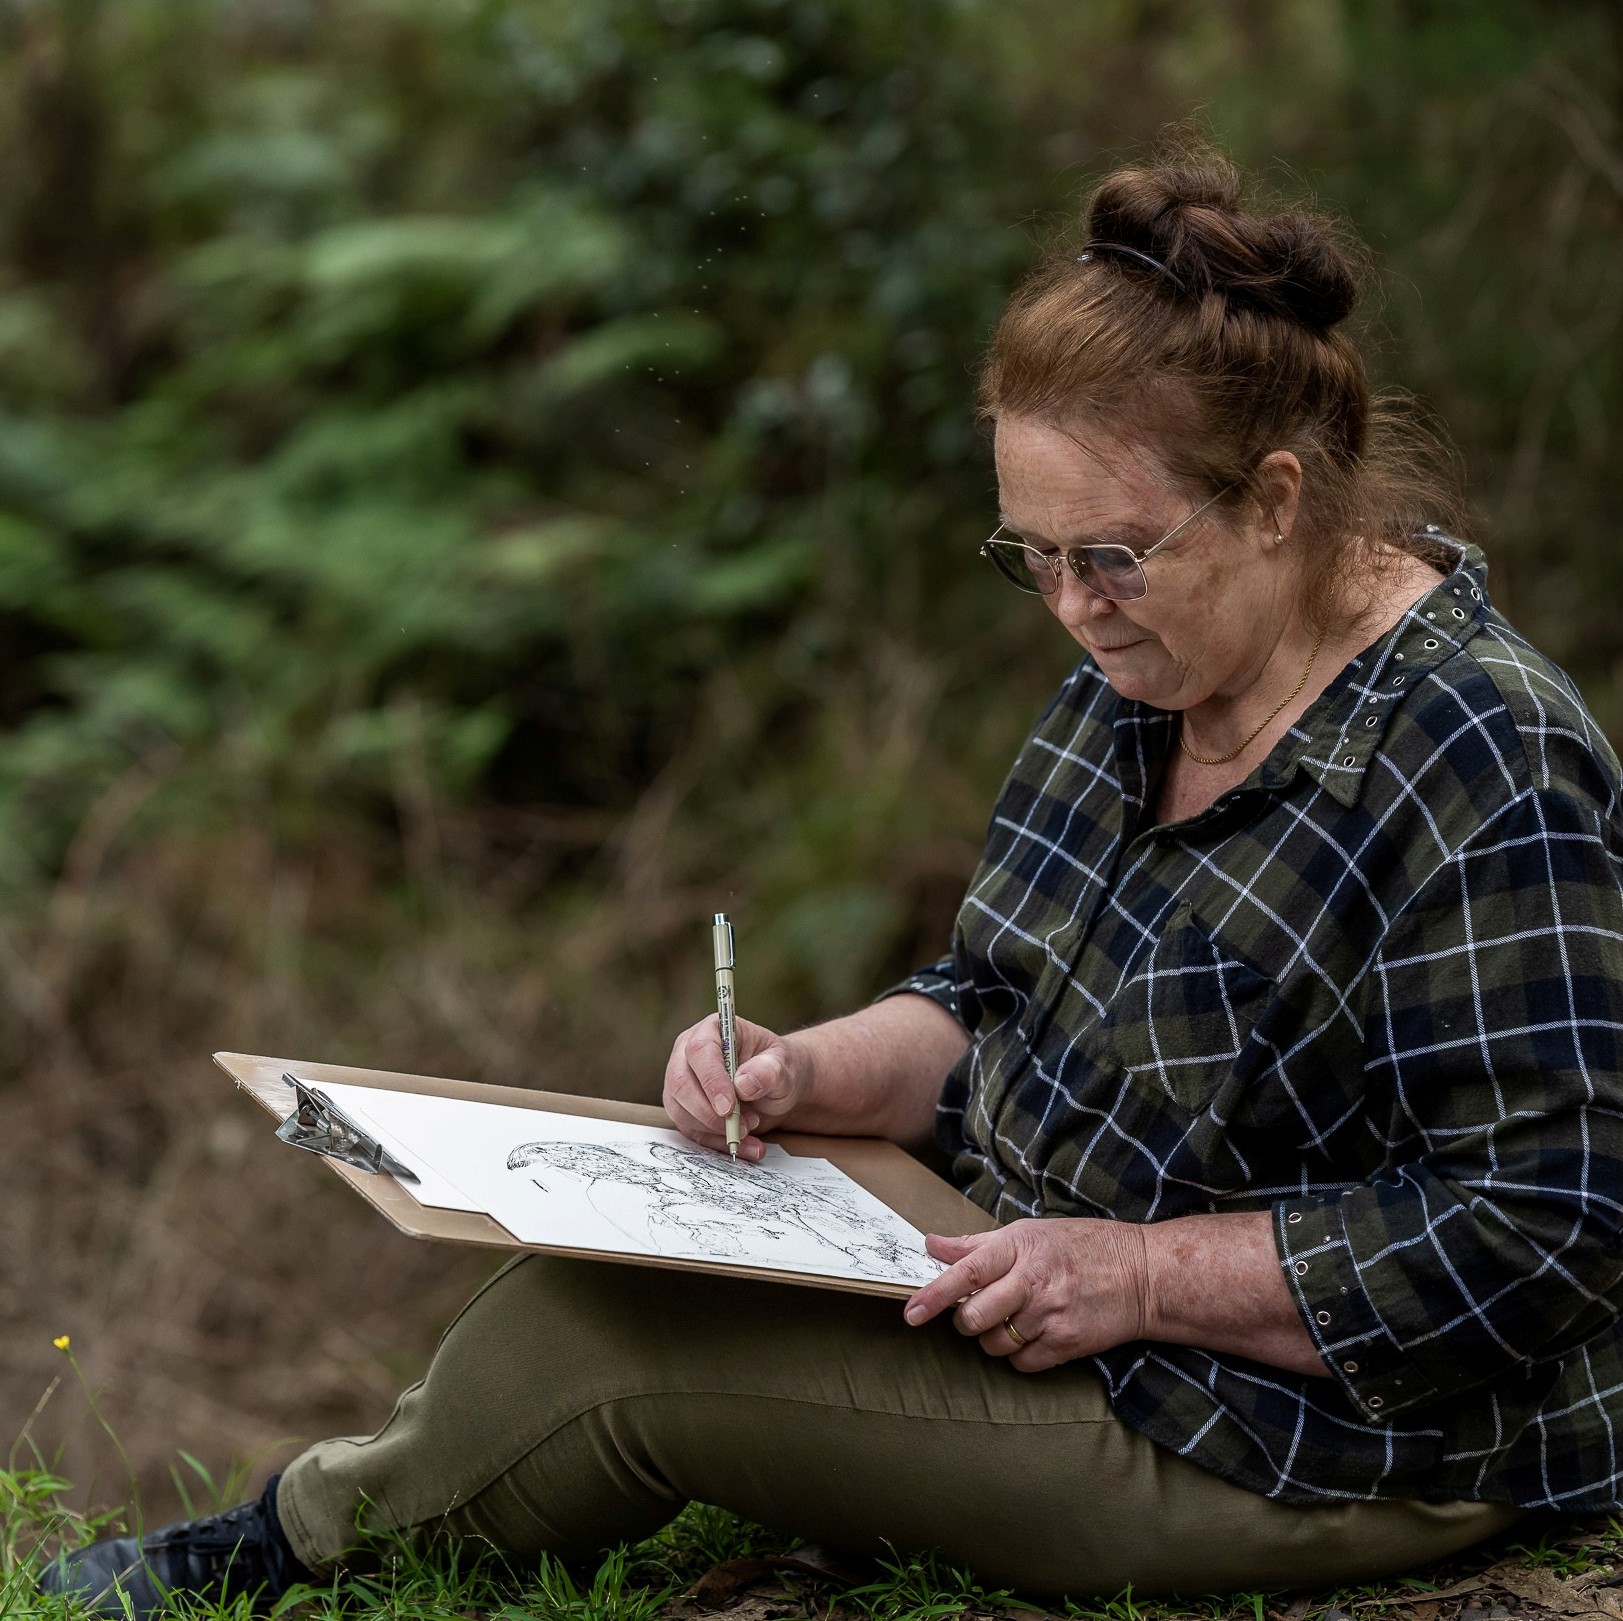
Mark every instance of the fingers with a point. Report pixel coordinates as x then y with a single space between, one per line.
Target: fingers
697 1091
990 1257
708 1066
950 1249
705 1131
749 1148
697 1094
1036 1356
982 1316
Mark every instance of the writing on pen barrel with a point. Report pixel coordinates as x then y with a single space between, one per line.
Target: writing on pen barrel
722 938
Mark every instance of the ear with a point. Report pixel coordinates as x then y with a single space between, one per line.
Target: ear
1279 491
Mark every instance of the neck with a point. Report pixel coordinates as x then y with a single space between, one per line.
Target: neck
1226 727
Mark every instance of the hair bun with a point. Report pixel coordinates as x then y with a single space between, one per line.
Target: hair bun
1187 211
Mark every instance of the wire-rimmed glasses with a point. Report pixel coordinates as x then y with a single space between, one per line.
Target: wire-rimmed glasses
1107 570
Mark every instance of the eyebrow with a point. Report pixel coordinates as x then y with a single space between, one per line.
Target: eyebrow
1126 533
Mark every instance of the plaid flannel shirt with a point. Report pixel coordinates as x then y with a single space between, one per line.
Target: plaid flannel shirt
1376 989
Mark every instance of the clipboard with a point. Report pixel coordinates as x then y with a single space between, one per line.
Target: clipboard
892 1175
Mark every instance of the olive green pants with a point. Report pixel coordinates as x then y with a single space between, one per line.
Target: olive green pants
573 1405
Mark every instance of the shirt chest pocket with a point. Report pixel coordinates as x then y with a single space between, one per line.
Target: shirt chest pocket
1183 1015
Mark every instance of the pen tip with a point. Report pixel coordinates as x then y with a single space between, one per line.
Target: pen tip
732 1148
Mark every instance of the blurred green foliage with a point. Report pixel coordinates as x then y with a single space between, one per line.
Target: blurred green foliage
414 406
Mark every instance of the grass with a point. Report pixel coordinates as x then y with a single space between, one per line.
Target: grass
646 1581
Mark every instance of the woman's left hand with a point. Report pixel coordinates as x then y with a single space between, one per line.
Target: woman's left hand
1069 1286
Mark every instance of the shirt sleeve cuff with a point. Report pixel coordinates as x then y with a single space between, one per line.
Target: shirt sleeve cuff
938 982
1356 1345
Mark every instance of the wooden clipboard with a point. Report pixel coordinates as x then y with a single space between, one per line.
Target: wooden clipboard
894 1177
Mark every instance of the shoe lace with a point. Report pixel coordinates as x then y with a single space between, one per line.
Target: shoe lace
229 1543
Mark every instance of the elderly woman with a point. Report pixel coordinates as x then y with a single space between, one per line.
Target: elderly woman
1280 1032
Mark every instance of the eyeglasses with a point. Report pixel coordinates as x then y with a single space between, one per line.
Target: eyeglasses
1110 571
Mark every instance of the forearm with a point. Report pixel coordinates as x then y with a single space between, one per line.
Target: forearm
877 1072
1215 1282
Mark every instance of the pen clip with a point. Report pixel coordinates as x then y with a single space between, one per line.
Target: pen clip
722 936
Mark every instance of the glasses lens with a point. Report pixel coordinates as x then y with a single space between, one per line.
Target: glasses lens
1111 571
1023 566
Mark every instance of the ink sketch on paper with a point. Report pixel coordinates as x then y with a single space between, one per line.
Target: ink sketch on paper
575 1182
677 1199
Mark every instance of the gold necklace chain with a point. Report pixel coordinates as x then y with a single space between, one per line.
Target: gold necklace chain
1223 759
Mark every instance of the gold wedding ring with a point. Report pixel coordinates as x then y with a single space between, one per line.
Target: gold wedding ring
1014 1333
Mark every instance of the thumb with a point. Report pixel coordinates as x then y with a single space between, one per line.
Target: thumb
763 1078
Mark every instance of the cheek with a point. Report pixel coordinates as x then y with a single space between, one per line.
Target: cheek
1199 621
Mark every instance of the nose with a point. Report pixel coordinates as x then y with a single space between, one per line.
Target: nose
1075 603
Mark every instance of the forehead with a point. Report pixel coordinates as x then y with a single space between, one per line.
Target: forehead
1050 476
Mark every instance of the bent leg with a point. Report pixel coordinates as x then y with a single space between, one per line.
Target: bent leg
574 1405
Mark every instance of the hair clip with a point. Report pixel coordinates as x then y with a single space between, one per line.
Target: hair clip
1133 253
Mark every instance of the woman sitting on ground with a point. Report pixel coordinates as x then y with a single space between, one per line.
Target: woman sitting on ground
1280 1032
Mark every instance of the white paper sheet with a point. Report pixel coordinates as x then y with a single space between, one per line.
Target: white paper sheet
595 1184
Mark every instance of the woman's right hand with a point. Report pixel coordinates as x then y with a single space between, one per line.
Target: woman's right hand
772 1079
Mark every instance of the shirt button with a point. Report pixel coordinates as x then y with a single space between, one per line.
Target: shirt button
1431 616
1349 1367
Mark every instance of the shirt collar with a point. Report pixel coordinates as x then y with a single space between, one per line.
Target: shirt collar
1338 736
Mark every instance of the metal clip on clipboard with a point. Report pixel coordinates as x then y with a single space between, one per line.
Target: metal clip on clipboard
321 1126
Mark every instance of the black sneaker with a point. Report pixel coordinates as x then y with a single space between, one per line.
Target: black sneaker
241 1551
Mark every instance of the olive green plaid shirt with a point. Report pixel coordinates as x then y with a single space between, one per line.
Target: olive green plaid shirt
1378 990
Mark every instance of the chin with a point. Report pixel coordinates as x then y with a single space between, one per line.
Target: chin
1126 687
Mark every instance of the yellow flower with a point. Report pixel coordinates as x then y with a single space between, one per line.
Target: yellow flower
62 1342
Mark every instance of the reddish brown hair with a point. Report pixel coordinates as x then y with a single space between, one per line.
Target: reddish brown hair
1229 351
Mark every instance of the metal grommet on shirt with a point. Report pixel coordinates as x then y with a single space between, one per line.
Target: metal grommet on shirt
1476 596
1349 1367
1371 721
1295 1215
1374 1402
1459 613
1431 641
1352 759
1397 681
1322 1318
1301 1269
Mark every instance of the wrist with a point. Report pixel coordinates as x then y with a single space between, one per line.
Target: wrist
1139 1265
